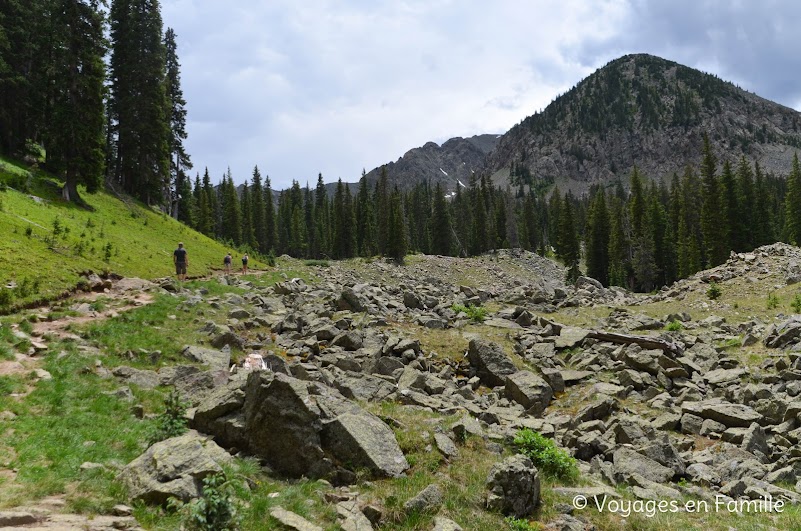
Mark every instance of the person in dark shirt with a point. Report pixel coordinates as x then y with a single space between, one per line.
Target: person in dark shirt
181 260
244 264
227 263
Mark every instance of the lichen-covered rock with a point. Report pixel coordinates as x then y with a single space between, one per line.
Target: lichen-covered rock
514 487
491 362
174 468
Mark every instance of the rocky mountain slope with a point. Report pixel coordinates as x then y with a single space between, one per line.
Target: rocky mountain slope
449 164
648 111
383 381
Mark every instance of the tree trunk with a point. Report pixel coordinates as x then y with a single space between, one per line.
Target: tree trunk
70 190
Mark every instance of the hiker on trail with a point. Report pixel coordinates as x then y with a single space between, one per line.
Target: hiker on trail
181 260
244 263
227 263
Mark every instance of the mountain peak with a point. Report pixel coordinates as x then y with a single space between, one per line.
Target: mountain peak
645 110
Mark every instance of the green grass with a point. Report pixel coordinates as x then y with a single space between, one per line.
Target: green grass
63 423
48 242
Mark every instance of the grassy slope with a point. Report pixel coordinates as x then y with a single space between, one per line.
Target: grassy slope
141 239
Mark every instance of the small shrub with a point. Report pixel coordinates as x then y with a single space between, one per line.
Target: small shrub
796 304
271 258
674 326
773 301
107 249
6 297
172 422
714 291
313 263
474 313
518 524
216 510
549 459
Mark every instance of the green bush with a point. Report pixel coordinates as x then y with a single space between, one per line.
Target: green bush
270 258
674 326
312 263
549 459
714 291
773 301
173 421
474 313
6 297
519 524
796 304
216 510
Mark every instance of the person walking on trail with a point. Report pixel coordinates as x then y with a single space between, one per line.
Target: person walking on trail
244 263
227 263
181 260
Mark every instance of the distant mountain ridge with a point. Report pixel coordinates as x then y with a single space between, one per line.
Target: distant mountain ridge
648 111
449 164
638 109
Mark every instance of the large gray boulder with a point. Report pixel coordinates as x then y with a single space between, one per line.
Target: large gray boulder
215 359
729 414
174 468
628 463
514 487
301 428
529 390
491 362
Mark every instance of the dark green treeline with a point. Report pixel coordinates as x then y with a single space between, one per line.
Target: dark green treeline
640 234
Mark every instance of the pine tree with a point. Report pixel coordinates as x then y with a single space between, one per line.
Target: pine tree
231 226
179 158
731 214
27 35
441 228
396 228
365 227
186 200
568 239
763 227
258 214
342 234
75 139
322 220
598 231
381 201
206 207
246 205
478 234
138 104
308 220
636 203
712 221
792 204
269 217
618 243
745 206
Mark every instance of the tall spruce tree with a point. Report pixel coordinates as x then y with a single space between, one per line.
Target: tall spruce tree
321 218
269 217
440 227
712 221
246 206
731 212
258 214
396 228
140 125
598 231
180 161
792 202
365 220
75 138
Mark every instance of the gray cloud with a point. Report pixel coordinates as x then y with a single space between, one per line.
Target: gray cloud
336 86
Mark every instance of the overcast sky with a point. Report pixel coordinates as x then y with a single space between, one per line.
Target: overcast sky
301 87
